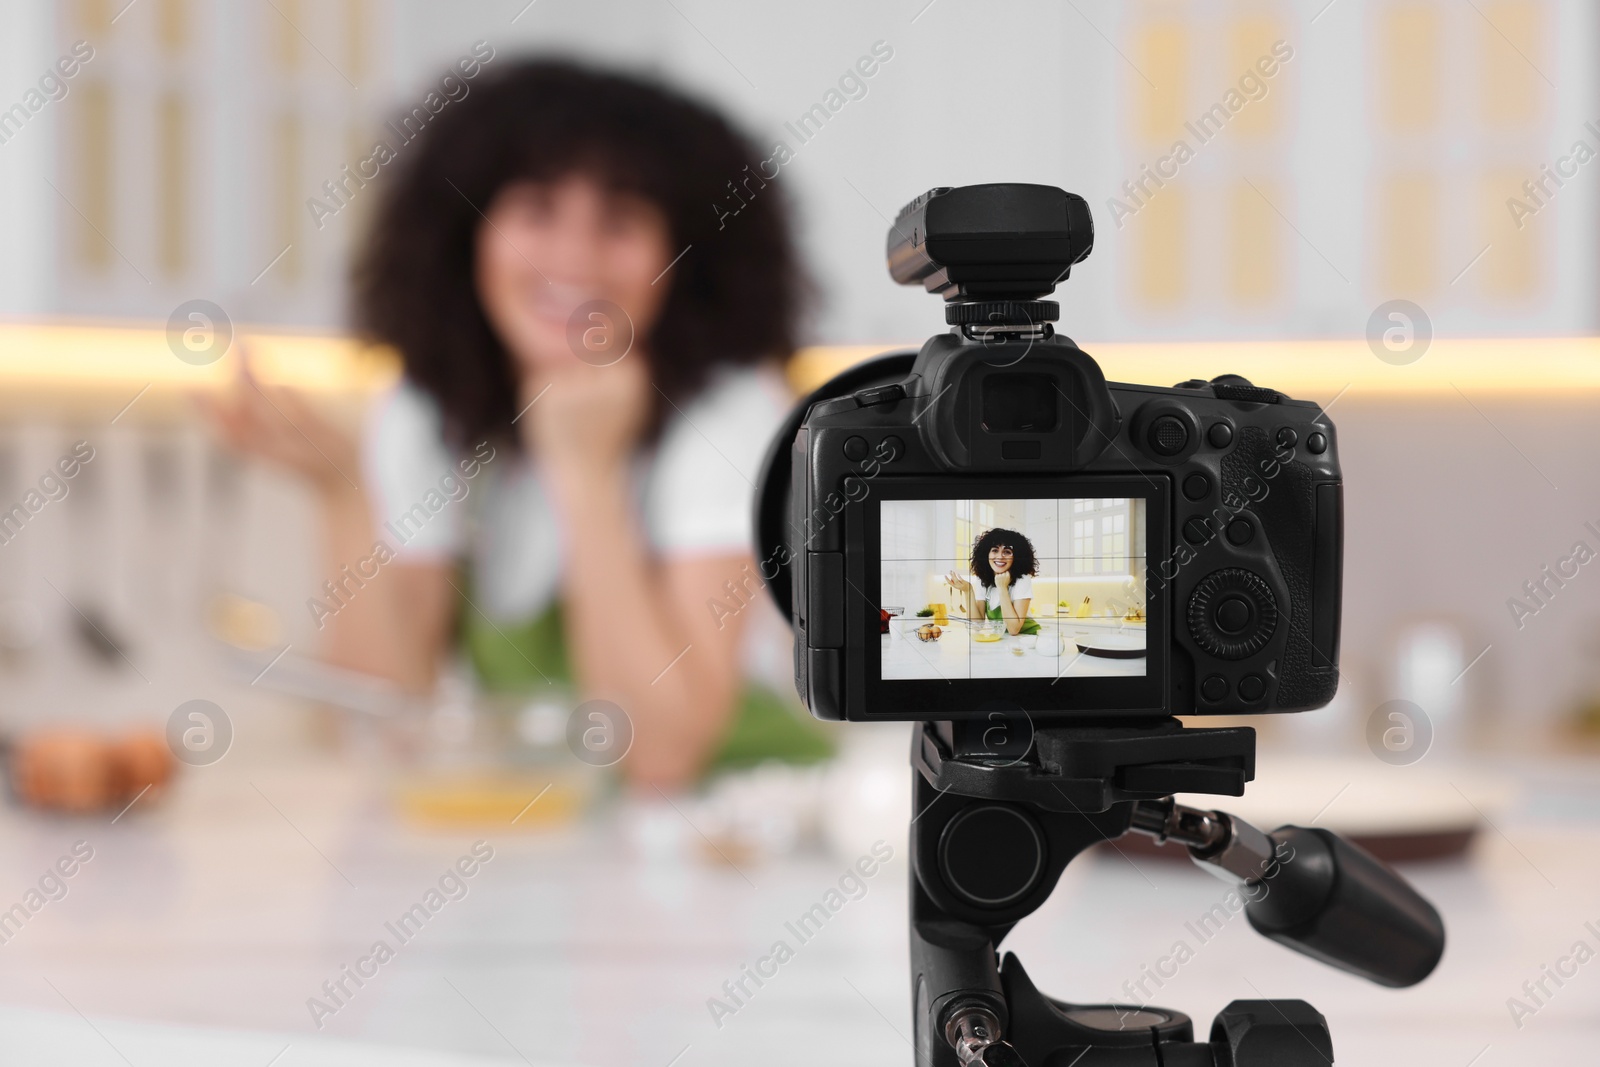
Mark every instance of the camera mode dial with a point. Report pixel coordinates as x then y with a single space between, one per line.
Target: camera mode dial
1232 613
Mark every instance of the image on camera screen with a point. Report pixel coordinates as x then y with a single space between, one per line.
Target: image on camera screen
1012 588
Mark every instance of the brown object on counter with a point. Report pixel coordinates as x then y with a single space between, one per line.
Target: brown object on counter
77 770
141 759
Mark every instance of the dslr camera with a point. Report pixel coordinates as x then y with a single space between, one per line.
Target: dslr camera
990 523
1044 569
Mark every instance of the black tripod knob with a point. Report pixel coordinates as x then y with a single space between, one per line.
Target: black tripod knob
1339 904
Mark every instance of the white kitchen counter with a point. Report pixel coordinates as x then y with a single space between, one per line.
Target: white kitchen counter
601 943
957 655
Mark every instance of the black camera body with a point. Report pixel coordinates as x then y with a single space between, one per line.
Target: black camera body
1185 543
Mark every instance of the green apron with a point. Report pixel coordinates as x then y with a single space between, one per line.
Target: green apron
520 657
1029 625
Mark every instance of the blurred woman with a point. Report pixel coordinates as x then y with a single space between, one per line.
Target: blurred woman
589 334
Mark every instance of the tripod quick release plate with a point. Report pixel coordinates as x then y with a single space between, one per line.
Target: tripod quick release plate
1087 768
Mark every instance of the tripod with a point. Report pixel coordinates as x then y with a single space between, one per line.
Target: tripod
1000 816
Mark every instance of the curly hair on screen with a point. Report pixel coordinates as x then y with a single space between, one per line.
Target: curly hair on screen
734 298
1023 560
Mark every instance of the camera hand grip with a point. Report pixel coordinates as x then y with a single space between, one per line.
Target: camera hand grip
1339 904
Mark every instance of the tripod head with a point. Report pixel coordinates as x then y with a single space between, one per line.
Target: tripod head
995 831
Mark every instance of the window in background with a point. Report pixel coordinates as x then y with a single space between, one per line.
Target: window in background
1510 88
1409 67
983 521
1082 543
1114 538
172 25
355 39
173 201
1409 74
92 192
285 18
1513 63
94 16
1163 52
174 176
973 519
1510 270
1100 536
1255 275
1254 243
1407 239
1249 40
1161 248
139 150
359 141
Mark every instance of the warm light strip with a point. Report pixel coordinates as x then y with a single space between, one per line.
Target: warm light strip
1316 370
79 356
69 357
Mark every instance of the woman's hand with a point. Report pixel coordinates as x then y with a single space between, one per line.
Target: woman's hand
958 583
585 421
400 625
1002 580
278 425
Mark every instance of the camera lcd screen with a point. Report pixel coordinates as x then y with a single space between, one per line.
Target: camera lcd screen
1012 588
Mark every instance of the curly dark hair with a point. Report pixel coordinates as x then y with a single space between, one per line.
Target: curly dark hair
734 298
1023 560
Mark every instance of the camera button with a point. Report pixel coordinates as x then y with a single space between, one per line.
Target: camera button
1233 615
1214 688
855 449
894 446
1240 532
1196 486
1287 437
1198 531
1168 435
1220 435
1316 444
1252 687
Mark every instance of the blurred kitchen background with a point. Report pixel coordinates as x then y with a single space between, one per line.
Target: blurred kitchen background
1399 222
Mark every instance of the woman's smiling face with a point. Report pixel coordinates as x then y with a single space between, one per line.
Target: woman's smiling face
546 249
1000 557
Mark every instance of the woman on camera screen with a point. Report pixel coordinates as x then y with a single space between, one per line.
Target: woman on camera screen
1003 566
560 487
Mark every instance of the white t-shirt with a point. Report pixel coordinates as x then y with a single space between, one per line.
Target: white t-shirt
696 489
1020 588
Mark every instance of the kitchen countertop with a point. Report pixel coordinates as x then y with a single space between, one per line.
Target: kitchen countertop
955 654
228 903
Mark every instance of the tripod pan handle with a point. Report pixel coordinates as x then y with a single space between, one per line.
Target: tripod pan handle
1339 904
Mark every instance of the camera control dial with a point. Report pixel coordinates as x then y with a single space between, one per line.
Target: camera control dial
1232 613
